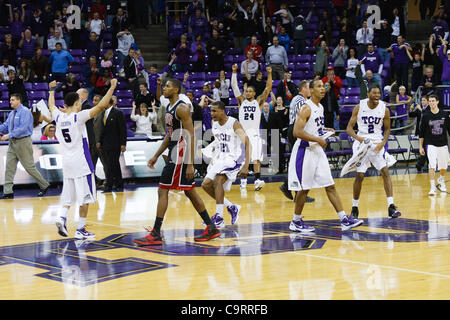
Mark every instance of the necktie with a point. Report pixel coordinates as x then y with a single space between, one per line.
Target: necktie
104 118
13 117
365 36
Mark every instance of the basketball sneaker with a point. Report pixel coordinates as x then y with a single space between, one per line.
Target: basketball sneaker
393 212
218 221
355 212
153 238
259 184
348 223
243 184
300 226
210 232
441 183
61 225
83 234
432 191
234 212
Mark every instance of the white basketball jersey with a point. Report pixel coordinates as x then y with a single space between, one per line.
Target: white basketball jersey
316 122
72 136
229 142
250 117
370 121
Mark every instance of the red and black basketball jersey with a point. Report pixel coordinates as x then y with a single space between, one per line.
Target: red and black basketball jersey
173 127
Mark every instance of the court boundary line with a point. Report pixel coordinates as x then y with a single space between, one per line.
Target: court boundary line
373 264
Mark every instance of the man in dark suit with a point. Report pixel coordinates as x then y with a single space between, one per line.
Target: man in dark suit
330 105
130 68
113 141
269 121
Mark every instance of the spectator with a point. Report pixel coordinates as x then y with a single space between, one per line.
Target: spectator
51 43
256 82
61 24
39 122
326 27
276 57
424 6
287 89
267 38
141 12
284 39
103 82
198 50
216 91
364 37
130 66
216 50
125 40
93 45
372 61
300 33
445 58
281 113
144 96
24 70
429 82
417 68
402 110
207 89
334 80
95 24
98 8
340 57
15 86
268 121
440 29
37 26
154 74
434 58
199 25
183 52
255 48
330 104
28 45
384 40
177 26
48 17
49 133
322 55
60 60
39 67
224 88
17 129
4 69
70 84
416 111
17 21
397 23
193 7
119 23
144 119
249 65
197 115
9 50
401 60
106 61
366 82
286 17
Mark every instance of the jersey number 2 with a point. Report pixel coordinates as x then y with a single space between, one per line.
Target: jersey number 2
66 135
371 128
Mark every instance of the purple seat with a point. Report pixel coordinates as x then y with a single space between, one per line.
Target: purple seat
124 102
39 86
297 75
59 103
59 95
77 52
197 76
75 68
36 95
352 92
212 76
4 104
124 94
350 100
27 86
121 85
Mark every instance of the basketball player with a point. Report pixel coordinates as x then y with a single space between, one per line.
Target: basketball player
372 117
223 169
434 126
178 173
78 170
250 119
308 166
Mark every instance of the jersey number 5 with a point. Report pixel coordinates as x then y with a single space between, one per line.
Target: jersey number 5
66 135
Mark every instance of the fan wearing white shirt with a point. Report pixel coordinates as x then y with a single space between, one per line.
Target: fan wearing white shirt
96 24
143 119
364 36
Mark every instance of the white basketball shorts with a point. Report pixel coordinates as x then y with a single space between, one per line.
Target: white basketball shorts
81 190
228 167
437 157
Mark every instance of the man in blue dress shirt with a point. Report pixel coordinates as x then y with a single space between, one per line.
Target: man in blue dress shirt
17 129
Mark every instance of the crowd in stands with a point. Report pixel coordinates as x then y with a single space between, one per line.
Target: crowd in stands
302 39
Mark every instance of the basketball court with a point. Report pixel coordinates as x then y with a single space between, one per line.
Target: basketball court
259 258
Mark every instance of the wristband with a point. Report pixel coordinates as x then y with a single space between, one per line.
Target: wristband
52 89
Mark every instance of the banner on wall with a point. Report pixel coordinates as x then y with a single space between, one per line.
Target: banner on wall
48 160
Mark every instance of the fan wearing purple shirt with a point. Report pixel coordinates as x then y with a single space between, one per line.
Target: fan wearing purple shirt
372 61
401 60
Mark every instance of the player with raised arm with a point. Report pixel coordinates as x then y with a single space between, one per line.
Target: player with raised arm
308 166
178 172
226 163
78 169
372 117
250 119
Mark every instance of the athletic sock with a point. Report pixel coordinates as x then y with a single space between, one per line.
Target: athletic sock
297 217
257 175
341 215
390 200
219 209
158 224
206 218
227 202
63 212
355 202
433 184
81 223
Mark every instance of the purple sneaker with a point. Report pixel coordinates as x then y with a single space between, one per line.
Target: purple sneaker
348 223
234 211
218 221
82 234
300 226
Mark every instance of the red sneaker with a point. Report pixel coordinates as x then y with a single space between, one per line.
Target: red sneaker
210 232
153 238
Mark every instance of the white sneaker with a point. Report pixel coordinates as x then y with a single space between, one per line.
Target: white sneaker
61 225
82 234
432 192
443 187
243 183
259 184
